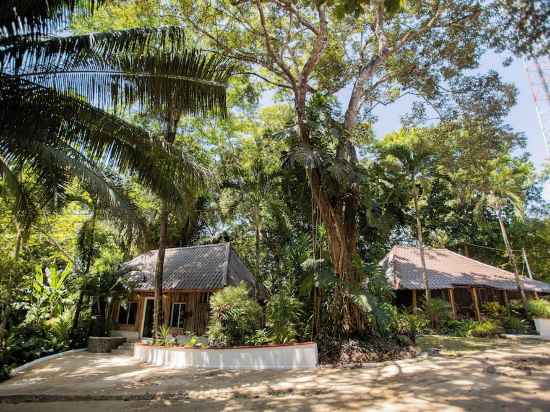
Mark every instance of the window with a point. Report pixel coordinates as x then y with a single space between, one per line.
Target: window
127 313
177 318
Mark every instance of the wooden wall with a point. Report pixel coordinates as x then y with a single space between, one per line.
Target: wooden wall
196 308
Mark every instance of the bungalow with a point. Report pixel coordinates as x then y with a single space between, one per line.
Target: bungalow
466 283
190 276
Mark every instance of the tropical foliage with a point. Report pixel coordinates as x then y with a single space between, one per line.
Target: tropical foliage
235 316
117 137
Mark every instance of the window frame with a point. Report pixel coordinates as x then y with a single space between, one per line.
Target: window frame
128 312
181 315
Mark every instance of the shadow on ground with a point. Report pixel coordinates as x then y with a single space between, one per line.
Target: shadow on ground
515 376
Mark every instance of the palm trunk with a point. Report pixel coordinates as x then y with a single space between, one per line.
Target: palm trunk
172 120
512 260
421 245
18 240
157 313
257 241
82 292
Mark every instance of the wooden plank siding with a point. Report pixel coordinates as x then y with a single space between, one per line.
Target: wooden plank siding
196 310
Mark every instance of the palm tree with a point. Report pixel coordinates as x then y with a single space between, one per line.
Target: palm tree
502 183
411 154
53 90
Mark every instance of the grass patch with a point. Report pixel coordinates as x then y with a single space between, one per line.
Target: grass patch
453 344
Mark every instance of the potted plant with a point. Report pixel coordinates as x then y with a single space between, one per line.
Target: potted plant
540 311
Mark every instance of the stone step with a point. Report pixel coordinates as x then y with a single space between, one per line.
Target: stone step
129 346
122 352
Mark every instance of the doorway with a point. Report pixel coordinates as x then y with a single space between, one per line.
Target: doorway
147 327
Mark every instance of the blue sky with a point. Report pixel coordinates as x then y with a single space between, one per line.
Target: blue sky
522 117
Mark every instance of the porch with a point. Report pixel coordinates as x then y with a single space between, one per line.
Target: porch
466 301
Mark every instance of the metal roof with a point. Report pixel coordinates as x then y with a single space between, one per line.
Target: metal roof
447 269
204 267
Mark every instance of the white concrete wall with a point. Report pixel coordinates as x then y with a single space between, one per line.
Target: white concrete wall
265 357
128 334
543 326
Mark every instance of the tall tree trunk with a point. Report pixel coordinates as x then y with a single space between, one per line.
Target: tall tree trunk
172 120
512 260
159 270
257 242
339 219
421 245
338 214
88 264
18 240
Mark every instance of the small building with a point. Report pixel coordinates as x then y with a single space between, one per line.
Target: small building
466 283
190 276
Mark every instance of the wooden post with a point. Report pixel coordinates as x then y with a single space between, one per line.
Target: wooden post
414 300
476 303
506 301
452 300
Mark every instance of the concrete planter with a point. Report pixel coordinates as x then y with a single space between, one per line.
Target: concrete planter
301 355
543 326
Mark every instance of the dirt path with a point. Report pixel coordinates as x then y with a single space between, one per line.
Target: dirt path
515 376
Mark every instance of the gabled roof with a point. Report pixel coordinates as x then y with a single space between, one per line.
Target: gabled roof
205 267
447 269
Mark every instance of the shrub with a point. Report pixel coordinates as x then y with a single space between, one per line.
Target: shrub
191 342
410 324
485 329
25 343
438 311
283 313
261 337
235 316
494 310
539 308
165 338
460 328
513 324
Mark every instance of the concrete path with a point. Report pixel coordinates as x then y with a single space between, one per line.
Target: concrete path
513 377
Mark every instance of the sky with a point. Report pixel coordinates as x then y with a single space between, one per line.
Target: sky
522 117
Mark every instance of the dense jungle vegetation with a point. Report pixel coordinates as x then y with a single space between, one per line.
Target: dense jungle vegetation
179 123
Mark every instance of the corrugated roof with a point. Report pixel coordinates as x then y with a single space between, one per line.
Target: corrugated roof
196 267
447 269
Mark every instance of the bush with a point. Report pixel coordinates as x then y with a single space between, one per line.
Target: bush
513 324
28 342
493 310
460 328
261 337
164 338
282 313
410 324
438 311
539 308
235 316
485 329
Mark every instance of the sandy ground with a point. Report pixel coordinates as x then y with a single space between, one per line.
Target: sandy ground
516 376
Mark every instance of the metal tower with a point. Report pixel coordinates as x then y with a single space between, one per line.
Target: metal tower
538 73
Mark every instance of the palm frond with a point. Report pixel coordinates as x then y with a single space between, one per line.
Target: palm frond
26 53
190 82
39 16
24 208
59 119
